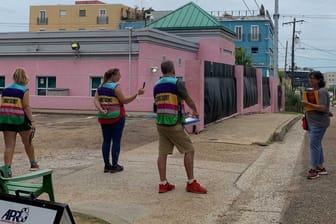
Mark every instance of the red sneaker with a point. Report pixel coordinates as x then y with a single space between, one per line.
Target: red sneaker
195 187
313 174
163 188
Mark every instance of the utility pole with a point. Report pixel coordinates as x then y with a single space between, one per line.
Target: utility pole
293 46
293 50
286 58
276 38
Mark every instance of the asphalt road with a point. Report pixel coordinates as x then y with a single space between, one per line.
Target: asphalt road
313 201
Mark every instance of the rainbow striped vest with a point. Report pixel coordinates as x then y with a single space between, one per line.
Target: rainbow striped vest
11 110
108 101
169 106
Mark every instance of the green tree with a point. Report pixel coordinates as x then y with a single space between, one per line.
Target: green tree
293 101
281 75
242 58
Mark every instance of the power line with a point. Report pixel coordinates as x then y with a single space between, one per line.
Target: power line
257 4
310 16
319 49
247 7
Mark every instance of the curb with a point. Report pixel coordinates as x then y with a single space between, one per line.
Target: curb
280 132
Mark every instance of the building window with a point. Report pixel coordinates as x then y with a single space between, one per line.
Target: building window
2 83
228 52
102 12
254 50
179 62
44 84
102 18
255 33
95 82
82 13
239 32
42 19
62 13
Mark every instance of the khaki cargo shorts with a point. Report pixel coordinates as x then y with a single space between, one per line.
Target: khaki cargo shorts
170 136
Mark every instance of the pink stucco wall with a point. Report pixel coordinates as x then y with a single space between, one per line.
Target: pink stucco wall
71 73
151 55
195 86
217 50
74 74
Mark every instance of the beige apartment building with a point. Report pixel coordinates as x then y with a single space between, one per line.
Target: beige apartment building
83 15
330 78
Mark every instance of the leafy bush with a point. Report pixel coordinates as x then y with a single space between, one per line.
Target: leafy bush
293 101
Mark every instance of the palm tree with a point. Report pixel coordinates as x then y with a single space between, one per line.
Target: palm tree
242 58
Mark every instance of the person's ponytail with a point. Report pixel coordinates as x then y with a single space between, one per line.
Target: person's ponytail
108 74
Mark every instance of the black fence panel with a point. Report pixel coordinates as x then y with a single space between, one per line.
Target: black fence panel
250 87
220 94
279 97
266 91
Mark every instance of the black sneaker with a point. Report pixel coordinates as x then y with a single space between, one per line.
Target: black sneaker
107 168
313 174
116 168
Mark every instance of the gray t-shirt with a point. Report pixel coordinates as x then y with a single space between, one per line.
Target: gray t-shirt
319 118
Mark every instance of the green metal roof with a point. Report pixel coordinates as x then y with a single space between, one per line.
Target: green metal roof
189 16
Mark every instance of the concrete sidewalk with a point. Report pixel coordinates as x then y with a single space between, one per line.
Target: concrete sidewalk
239 191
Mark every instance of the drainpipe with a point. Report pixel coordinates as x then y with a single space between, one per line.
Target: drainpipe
129 58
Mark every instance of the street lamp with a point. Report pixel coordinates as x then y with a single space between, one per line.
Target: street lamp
154 69
75 46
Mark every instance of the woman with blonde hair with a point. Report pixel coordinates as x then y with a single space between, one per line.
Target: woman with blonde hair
16 117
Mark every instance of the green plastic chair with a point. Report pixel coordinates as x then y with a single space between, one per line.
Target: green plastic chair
29 185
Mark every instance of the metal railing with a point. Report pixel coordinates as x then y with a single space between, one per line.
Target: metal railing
42 21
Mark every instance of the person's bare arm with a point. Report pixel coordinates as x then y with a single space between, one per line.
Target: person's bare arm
127 99
97 104
27 109
192 106
318 107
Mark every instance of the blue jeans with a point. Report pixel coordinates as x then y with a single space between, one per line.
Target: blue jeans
315 140
112 133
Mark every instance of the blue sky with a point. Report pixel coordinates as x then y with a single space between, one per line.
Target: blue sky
316 48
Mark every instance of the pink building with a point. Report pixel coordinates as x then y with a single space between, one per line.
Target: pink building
63 77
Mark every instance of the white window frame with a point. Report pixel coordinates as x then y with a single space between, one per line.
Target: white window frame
46 79
62 13
239 32
102 12
82 10
254 33
4 83
92 88
42 19
42 14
